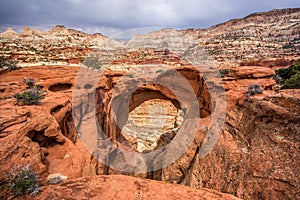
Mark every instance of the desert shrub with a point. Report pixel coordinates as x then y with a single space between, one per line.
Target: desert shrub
30 82
23 181
30 96
223 72
278 79
287 73
9 64
290 76
293 82
12 65
129 75
92 62
254 89
2 62
159 71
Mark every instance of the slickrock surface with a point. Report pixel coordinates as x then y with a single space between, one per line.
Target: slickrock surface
124 187
256 156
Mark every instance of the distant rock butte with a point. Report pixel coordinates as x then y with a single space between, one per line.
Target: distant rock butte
9 33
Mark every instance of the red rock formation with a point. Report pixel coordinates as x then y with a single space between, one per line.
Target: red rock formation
254 158
124 187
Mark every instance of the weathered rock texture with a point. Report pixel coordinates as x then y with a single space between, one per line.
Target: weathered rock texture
56 46
264 39
256 156
124 187
270 38
149 121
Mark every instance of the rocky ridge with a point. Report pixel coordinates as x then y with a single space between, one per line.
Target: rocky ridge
269 38
255 157
59 45
266 39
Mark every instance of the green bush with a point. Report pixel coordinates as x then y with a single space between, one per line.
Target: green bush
23 181
30 96
290 76
92 62
30 82
293 82
2 62
287 73
10 64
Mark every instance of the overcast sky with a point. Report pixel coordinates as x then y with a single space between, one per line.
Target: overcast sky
111 16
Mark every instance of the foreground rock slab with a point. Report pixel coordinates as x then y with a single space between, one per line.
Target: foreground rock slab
124 187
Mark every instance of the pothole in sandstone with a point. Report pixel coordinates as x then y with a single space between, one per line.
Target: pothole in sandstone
59 87
149 121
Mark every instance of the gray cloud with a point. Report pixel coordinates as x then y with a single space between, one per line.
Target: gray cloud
113 15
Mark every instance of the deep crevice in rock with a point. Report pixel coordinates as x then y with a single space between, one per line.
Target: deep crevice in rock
111 110
41 139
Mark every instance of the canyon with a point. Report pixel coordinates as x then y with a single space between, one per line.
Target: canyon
151 108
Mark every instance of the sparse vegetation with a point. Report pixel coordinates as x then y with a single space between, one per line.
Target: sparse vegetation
223 72
290 76
130 75
32 95
92 62
9 64
23 181
293 82
254 89
30 82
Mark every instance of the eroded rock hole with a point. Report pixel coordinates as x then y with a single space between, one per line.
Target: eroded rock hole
149 121
60 87
41 139
56 109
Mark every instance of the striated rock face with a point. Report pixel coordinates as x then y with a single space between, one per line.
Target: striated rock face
270 38
149 121
256 156
56 46
266 39
47 131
